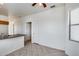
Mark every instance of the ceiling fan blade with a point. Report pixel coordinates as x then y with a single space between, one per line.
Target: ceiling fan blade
34 4
44 5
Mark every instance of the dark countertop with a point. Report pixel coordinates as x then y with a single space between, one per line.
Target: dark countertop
10 36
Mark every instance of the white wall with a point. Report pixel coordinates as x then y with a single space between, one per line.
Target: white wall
3 29
17 25
72 48
48 28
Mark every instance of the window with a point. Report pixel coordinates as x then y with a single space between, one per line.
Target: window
74 25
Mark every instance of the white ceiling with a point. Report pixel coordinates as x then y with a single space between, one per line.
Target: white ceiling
22 9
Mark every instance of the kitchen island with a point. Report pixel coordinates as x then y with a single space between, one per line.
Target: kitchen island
10 43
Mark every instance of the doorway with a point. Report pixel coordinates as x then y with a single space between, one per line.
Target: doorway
28 31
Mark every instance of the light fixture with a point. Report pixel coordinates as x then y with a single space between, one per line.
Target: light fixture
40 4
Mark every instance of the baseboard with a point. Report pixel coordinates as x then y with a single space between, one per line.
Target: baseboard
47 46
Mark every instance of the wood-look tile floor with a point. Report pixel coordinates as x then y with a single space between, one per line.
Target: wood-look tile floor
37 50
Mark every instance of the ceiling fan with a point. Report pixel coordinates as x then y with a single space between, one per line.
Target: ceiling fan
40 4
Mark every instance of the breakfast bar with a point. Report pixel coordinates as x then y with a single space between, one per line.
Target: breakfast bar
10 43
